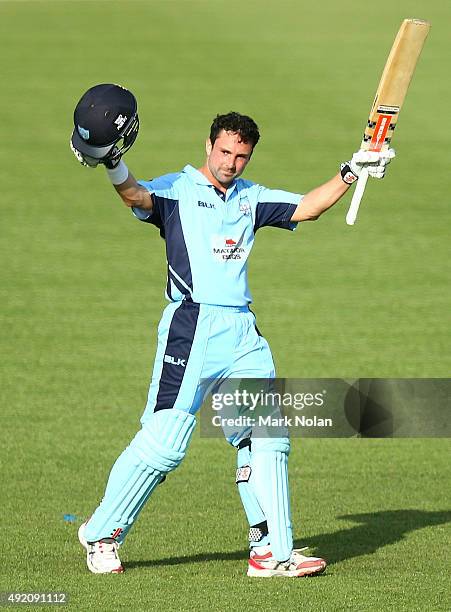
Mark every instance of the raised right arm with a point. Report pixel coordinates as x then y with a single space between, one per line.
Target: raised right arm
130 191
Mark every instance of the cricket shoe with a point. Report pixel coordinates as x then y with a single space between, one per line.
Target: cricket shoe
101 556
262 564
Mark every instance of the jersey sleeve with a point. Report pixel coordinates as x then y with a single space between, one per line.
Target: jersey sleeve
275 208
164 197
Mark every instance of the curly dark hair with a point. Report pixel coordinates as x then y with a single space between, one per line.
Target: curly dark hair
238 124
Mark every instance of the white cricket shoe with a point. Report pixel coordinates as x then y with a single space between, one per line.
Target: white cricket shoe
101 556
262 564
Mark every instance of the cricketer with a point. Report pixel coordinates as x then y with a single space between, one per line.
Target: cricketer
208 218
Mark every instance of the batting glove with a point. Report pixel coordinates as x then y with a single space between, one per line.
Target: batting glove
374 161
377 170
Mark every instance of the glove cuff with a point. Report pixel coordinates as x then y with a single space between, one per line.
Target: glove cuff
347 175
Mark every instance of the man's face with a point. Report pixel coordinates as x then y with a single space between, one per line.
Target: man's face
227 157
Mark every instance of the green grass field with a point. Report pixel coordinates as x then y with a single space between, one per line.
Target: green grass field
82 292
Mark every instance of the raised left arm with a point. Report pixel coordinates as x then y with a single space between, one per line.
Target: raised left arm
317 201
320 199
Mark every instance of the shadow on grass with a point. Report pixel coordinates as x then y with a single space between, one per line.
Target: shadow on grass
374 531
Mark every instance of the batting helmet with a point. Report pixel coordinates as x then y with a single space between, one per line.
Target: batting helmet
105 118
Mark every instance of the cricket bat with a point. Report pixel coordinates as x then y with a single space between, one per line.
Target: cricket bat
389 97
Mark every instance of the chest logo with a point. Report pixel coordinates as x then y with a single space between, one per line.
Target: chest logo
206 204
245 207
226 249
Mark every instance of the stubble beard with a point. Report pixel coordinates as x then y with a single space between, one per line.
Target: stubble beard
223 179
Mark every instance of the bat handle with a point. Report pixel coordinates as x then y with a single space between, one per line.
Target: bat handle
357 197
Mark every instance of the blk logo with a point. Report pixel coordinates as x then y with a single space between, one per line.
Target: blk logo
175 361
206 204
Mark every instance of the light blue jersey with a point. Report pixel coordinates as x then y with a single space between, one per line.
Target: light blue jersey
209 235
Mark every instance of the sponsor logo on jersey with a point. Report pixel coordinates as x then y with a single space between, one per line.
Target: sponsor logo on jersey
227 249
206 204
175 361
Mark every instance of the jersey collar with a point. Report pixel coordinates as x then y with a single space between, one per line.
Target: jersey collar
201 179
195 175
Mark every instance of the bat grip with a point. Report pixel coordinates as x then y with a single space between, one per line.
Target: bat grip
357 197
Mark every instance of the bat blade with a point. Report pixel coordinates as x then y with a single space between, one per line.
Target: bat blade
390 96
